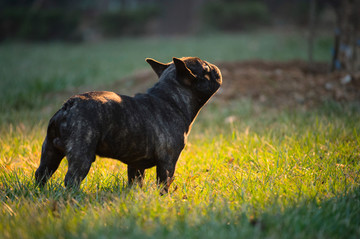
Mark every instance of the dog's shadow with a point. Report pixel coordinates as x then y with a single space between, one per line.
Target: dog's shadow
16 185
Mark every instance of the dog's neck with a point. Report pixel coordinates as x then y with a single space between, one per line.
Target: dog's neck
180 97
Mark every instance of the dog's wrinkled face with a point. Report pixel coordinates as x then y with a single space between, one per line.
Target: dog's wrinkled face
207 77
202 77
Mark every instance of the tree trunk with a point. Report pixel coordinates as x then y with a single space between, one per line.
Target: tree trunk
347 37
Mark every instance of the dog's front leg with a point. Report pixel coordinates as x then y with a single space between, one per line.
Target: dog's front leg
135 175
164 174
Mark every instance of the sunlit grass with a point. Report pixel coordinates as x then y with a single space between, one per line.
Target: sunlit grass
298 168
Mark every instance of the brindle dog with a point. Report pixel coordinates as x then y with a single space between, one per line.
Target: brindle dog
142 131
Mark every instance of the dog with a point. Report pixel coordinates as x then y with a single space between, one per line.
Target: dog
143 131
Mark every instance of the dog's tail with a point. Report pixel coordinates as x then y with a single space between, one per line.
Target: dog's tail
54 130
57 125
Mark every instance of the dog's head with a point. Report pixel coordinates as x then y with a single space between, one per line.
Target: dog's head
202 77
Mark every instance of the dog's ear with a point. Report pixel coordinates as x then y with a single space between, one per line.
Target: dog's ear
158 67
183 72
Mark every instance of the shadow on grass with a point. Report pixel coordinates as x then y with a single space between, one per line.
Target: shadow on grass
336 217
17 184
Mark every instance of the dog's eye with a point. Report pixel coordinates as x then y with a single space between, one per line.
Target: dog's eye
206 68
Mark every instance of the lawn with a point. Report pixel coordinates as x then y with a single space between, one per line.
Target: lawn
270 173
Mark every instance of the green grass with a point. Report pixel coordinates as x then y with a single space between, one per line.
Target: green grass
267 174
280 175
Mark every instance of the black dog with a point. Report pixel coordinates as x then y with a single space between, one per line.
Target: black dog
142 131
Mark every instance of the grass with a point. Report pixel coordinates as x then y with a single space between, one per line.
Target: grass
267 174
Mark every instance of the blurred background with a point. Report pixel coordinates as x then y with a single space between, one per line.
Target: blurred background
276 52
91 20
94 20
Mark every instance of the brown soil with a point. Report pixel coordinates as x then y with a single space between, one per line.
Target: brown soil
277 84
287 84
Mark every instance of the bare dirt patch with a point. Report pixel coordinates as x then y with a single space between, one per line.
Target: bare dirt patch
286 84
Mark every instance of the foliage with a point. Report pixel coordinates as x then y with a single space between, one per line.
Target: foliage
127 21
63 23
44 24
89 19
235 15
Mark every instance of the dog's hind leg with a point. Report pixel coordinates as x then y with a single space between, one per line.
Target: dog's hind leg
80 155
51 157
79 166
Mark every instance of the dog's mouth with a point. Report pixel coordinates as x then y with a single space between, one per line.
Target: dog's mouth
216 73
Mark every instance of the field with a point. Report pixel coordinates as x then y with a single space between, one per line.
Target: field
267 164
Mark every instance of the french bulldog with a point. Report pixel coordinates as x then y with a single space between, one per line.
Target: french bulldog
143 131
